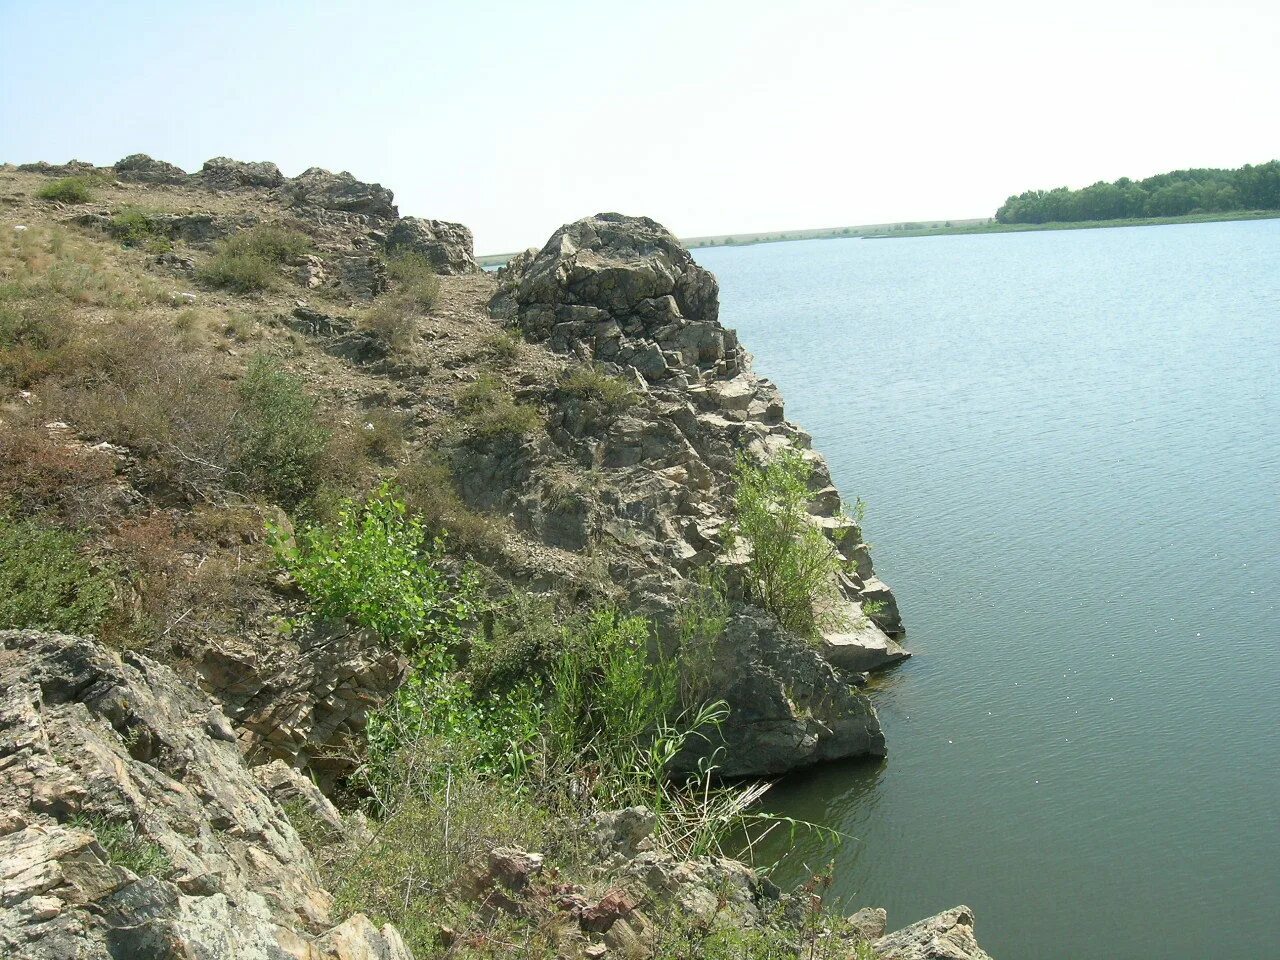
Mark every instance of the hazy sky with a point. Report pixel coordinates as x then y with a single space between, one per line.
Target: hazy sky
712 117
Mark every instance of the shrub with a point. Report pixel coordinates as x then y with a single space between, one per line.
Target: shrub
415 278
377 566
503 346
35 334
430 492
136 228
67 190
280 439
392 318
40 474
490 412
610 394
793 565
46 583
249 261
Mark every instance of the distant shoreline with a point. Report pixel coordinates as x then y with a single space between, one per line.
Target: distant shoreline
892 231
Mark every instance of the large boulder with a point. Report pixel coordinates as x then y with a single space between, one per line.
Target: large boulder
449 247
315 187
140 168
131 827
223 173
947 936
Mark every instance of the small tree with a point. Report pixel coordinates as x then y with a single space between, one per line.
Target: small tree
792 569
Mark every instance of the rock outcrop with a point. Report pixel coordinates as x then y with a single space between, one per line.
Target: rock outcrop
448 246
947 936
130 826
340 191
140 168
623 293
223 173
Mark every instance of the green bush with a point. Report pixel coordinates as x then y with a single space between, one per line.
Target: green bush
249 261
611 394
67 190
46 583
793 565
415 278
137 228
490 412
280 441
377 566
126 848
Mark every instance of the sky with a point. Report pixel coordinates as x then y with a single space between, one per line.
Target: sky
711 117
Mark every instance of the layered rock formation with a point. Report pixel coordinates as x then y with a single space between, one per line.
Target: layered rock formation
131 827
622 293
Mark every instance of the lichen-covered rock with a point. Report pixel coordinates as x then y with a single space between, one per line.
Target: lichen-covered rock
947 936
129 824
316 187
223 173
72 168
449 247
140 168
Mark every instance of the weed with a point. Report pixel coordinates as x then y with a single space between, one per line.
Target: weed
67 190
280 439
611 395
125 847
46 583
415 278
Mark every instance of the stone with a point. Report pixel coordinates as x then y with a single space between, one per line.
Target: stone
315 187
869 923
861 646
92 740
140 168
449 247
223 173
947 936
622 833
615 905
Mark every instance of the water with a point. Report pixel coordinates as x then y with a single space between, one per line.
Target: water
1070 445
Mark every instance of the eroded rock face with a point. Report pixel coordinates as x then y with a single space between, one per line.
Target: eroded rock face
140 168
621 293
448 246
340 191
130 826
223 173
304 701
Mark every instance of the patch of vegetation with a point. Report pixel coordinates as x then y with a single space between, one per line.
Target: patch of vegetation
793 565
611 395
125 847
138 228
431 493
377 566
280 439
67 190
415 278
250 260
503 346
47 583
489 411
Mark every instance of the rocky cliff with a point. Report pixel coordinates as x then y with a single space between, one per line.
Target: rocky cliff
144 802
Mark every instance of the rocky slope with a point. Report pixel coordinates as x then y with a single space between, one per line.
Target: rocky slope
191 768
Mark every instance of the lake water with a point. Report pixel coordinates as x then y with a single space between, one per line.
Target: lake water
1070 447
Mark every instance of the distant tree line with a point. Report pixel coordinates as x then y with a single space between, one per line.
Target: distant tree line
1164 195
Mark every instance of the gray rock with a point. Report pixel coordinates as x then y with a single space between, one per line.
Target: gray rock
869 923
223 173
112 765
140 168
72 168
449 247
947 936
861 647
315 187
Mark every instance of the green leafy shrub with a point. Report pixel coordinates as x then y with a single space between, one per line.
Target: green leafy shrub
280 441
377 566
612 395
793 565
135 228
46 583
249 261
67 190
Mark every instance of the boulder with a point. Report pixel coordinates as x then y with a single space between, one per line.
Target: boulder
140 168
72 168
129 824
947 936
315 187
861 647
449 247
223 173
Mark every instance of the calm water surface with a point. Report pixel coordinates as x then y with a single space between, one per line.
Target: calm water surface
1070 445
